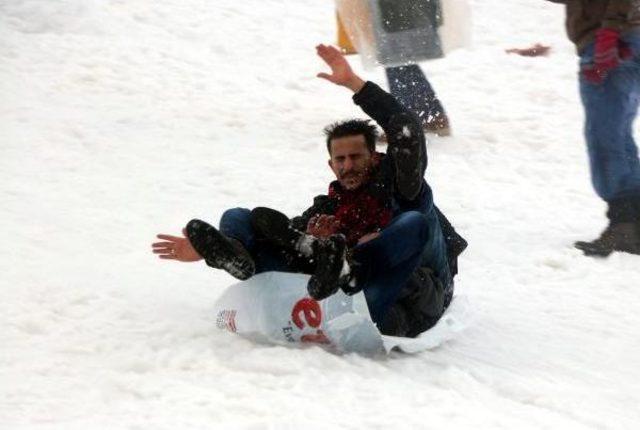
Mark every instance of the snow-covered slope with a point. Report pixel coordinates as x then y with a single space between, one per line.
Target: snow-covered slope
122 119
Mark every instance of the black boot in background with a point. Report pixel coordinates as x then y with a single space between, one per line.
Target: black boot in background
623 232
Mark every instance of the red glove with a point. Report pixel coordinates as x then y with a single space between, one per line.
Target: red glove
609 51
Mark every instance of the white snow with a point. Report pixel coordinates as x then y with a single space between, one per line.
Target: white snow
123 119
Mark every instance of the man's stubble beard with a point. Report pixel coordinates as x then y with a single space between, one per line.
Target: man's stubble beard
361 179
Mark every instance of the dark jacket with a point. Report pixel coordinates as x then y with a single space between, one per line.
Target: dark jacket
585 17
414 192
427 293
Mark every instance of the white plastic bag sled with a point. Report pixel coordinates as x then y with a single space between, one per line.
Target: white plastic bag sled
274 307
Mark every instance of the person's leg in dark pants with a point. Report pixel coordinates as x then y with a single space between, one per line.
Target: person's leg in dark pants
239 224
411 87
384 265
610 109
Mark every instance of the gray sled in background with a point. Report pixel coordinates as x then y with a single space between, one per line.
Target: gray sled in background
393 32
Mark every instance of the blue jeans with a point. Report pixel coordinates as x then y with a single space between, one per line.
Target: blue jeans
236 223
610 109
410 86
411 239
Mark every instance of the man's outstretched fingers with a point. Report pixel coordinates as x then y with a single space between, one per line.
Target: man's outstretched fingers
175 248
169 237
163 246
163 251
324 51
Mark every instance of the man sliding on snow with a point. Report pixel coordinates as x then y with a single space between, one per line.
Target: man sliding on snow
377 230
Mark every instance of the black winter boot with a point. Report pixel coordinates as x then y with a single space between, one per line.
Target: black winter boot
219 251
395 322
624 237
623 232
330 261
275 227
438 124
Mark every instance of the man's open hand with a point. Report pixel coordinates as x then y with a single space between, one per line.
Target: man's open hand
323 226
341 73
175 248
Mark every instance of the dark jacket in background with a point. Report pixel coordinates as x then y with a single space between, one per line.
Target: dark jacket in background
585 17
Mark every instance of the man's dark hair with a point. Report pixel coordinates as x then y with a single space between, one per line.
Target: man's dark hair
352 127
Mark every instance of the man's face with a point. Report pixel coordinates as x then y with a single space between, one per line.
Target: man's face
351 160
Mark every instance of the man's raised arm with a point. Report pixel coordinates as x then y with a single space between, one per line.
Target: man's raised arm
373 100
407 144
341 72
